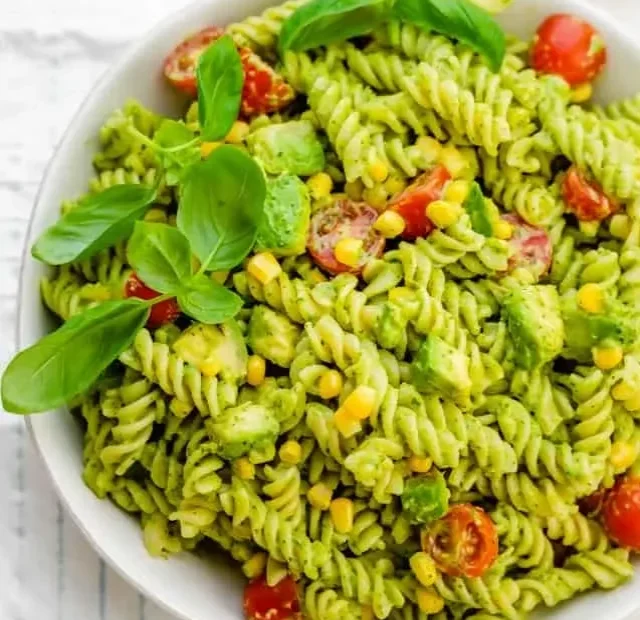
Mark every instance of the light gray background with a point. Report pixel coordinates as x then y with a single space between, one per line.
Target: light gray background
51 52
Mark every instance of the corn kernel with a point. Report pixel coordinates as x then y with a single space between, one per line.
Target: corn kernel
429 601
623 455
457 191
245 469
255 565
503 230
330 384
361 402
291 452
342 513
430 148
347 425
206 148
454 161
354 189
264 267
319 496
620 226
210 368
623 391
395 185
348 251
633 404
256 370
379 171
582 93
155 215
420 464
376 197
367 613
219 276
401 294
444 214
591 298
390 224
320 185
238 133
607 358
424 568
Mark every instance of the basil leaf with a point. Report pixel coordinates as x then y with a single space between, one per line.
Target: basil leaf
68 361
98 222
321 22
221 207
208 301
459 19
476 206
160 255
177 150
220 80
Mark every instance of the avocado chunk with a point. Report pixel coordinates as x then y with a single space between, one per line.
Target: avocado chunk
287 216
425 498
292 147
533 318
584 330
219 344
243 429
482 212
273 336
438 367
391 327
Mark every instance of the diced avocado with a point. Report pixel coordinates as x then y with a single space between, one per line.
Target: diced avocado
291 147
273 336
439 367
391 327
480 212
585 330
534 321
221 344
287 216
425 498
243 429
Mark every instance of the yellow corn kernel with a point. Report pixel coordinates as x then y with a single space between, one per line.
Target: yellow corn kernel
361 402
429 601
620 226
330 384
348 251
444 214
379 171
424 568
210 368
219 276
354 189
320 185
401 294
255 565
319 496
633 404
420 464
591 298
582 93
430 148
503 230
291 452
264 267
457 191
206 148
347 425
245 469
156 215
367 613
454 161
238 133
342 513
390 224
623 391
395 185
607 358
376 197
256 370
623 455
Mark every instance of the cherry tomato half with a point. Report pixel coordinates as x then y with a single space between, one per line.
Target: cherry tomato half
464 542
162 313
180 66
570 47
412 203
585 198
531 247
280 602
344 219
621 513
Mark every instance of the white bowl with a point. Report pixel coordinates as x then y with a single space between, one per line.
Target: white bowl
189 586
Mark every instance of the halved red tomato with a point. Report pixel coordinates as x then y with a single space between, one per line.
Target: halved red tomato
621 513
585 198
166 311
280 602
531 247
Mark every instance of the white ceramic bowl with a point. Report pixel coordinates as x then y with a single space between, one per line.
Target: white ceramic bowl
191 587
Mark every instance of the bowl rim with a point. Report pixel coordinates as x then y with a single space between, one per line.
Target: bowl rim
594 12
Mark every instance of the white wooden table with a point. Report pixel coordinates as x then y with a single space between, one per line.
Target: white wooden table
51 52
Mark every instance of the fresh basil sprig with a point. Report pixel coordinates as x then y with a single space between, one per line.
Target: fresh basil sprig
98 222
208 301
177 147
